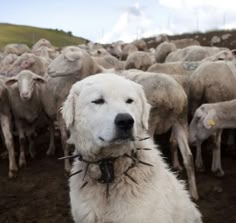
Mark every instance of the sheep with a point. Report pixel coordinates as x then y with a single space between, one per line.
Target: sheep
6 126
28 61
46 52
6 62
182 43
140 44
40 43
109 61
100 52
192 53
224 54
127 49
115 49
69 67
210 83
210 117
16 48
73 61
139 60
161 38
184 68
24 97
169 110
163 50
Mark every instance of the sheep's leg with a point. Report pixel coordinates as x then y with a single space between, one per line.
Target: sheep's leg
65 146
22 159
216 167
52 148
174 153
6 131
180 133
31 144
199 161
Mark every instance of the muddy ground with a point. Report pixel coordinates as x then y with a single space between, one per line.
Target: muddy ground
39 194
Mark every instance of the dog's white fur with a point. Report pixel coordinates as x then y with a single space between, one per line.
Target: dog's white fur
157 196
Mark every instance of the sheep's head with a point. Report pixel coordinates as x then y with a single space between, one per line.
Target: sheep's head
25 81
203 124
67 63
24 62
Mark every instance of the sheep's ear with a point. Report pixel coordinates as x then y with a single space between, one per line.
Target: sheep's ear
25 64
11 81
234 52
145 108
72 56
39 80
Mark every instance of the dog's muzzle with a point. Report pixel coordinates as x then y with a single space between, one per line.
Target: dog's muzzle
124 123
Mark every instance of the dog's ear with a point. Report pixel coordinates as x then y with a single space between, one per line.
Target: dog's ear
145 108
68 108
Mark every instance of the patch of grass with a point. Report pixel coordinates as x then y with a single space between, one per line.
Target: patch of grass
10 33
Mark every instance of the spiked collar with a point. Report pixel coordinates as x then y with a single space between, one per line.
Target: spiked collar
106 167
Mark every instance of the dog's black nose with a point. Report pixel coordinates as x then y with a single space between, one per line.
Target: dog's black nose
124 121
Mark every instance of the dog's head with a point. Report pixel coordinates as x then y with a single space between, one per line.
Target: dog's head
104 110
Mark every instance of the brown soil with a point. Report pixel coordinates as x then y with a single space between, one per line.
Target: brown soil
39 194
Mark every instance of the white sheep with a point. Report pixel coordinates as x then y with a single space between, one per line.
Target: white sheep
163 50
40 43
72 65
210 83
139 60
208 118
25 102
182 43
169 111
192 53
28 61
16 48
5 126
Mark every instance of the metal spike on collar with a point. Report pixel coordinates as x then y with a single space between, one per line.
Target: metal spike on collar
144 163
70 157
146 149
86 170
145 138
139 161
77 172
131 178
83 185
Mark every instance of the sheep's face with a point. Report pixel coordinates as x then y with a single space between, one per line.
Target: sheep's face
202 125
115 50
26 81
67 63
22 63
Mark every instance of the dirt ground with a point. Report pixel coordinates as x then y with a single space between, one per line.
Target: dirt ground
39 194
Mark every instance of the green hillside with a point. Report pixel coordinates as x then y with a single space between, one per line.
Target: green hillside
29 35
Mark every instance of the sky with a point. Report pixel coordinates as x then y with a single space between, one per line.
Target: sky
107 21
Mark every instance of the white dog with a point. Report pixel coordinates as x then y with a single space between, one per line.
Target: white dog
119 175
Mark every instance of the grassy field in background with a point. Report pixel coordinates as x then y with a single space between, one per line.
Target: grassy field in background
29 35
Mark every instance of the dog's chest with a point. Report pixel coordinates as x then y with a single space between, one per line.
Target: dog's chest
91 203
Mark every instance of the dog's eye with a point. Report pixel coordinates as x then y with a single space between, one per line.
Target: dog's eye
99 101
129 101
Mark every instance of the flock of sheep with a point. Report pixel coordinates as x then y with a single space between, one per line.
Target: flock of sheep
178 77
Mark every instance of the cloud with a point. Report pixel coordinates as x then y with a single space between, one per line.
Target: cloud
132 24
172 17
193 4
200 15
